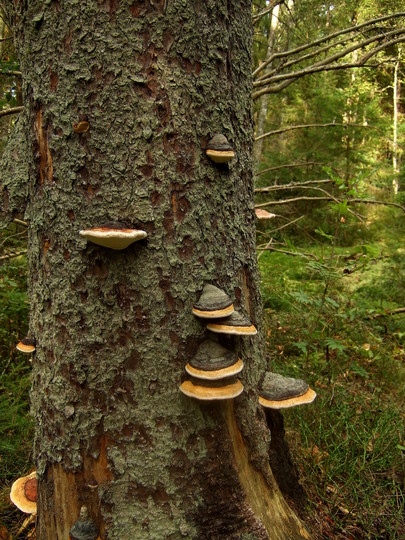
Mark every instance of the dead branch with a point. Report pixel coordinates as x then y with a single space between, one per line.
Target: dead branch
306 46
293 253
330 198
12 73
289 166
305 126
12 110
12 255
267 10
387 313
292 185
326 65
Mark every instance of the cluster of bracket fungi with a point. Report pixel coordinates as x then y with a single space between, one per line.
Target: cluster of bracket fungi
212 371
213 368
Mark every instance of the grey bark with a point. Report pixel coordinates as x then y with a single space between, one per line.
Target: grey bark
114 330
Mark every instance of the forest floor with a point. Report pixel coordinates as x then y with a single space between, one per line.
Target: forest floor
329 322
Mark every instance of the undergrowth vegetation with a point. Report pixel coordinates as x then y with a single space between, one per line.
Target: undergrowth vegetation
330 321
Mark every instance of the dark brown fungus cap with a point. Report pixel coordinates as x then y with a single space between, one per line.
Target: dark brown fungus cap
26 345
84 528
219 150
213 362
279 392
236 324
212 391
213 303
113 235
24 493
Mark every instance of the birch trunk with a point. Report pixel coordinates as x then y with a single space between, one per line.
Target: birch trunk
114 330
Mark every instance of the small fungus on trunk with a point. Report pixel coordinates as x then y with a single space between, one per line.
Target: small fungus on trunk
24 493
26 345
219 150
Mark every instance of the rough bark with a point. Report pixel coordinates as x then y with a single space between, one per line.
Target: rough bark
155 80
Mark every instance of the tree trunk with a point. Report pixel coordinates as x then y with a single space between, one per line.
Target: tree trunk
264 100
155 79
395 149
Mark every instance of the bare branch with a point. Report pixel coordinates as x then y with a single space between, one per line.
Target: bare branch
292 185
267 10
340 54
329 198
304 126
289 166
293 253
325 65
20 222
387 313
12 73
12 255
13 110
307 46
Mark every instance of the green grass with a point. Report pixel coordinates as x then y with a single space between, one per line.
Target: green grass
16 429
350 443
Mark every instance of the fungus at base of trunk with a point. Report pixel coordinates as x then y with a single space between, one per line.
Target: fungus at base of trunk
279 392
84 528
26 345
24 493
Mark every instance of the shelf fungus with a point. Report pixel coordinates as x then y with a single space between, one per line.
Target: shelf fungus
212 390
84 528
219 150
263 215
26 345
279 392
113 235
235 324
213 303
213 362
24 493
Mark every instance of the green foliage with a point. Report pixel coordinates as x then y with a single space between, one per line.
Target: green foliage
349 443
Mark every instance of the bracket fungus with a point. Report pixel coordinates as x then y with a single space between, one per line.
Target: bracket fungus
213 362
26 345
113 235
84 528
279 392
263 215
235 324
219 150
24 493
212 390
213 303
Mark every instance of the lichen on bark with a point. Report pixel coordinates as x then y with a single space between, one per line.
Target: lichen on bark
154 80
